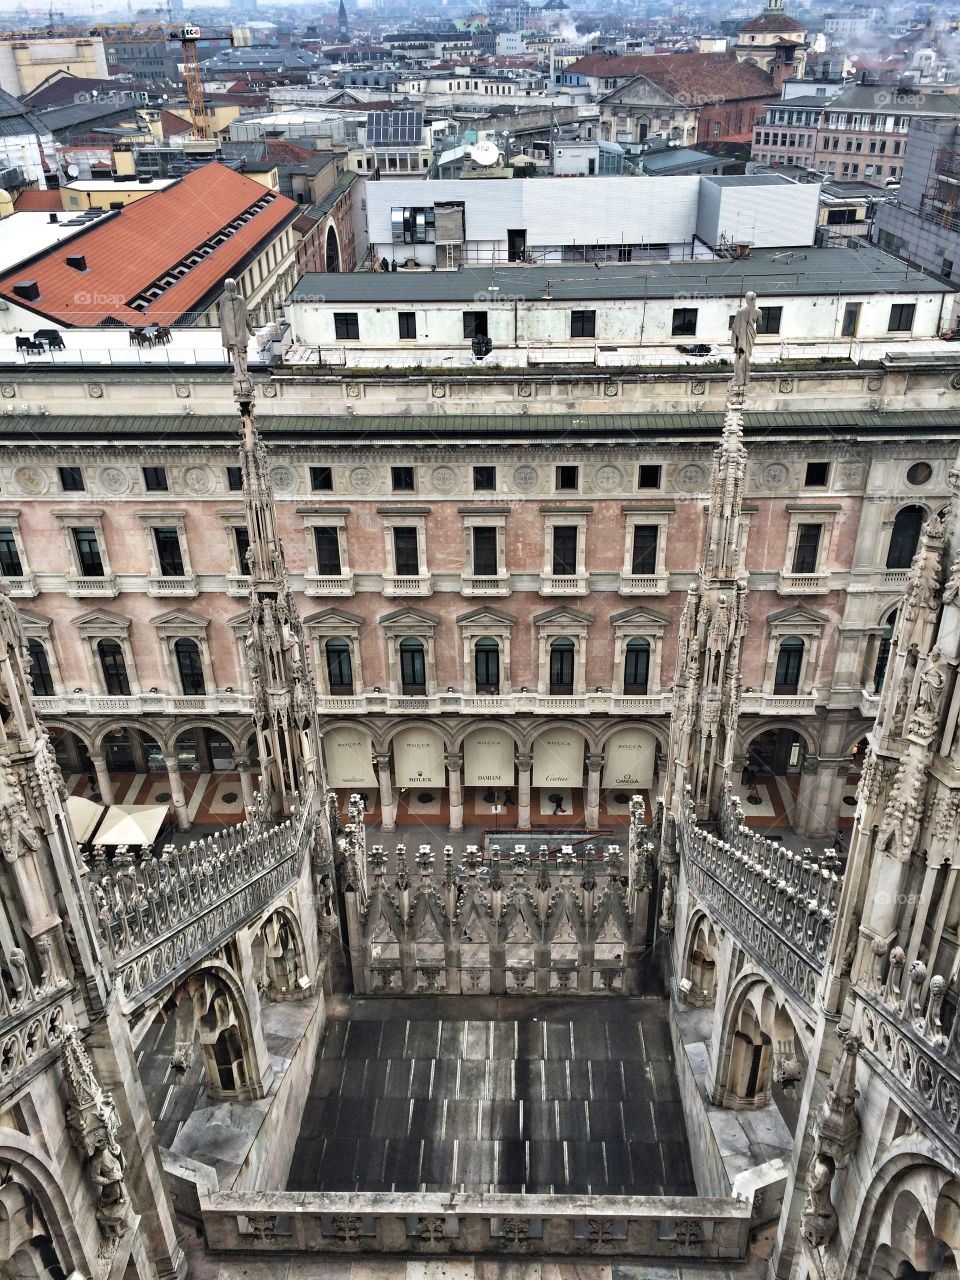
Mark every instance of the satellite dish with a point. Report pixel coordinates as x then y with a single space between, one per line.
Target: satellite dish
485 153
73 171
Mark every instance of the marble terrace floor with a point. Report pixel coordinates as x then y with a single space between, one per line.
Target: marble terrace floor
487 1094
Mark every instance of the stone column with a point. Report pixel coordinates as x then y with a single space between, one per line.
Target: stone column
103 778
805 815
388 817
524 763
454 765
591 808
177 797
246 783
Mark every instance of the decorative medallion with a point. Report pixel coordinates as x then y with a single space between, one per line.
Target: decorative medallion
270 390
875 382
608 478
444 479
197 479
610 388
691 478
114 480
955 382
774 475
182 390
524 390
525 478
786 386
362 480
698 387
8 391
94 390
282 479
352 390
29 480
438 390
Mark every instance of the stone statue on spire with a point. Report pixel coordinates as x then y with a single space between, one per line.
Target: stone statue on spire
743 335
235 331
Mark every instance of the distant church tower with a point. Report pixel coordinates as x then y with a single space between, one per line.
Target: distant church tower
343 25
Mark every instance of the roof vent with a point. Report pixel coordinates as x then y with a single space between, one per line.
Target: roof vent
28 290
76 262
53 218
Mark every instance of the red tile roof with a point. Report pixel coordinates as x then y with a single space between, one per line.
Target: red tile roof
697 78
38 202
765 23
128 251
173 125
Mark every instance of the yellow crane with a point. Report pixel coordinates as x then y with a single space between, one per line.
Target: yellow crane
188 37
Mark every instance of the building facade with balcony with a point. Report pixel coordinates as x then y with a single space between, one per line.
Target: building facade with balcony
491 579
921 223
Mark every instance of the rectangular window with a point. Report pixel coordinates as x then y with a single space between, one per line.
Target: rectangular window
10 566
169 555
155 479
485 552
851 320
649 475
241 537
684 322
567 479
327 542
71 479
402 479
406 554
407 320
901 317
644 549
321 479
484 478
88 553
816 476
769 321
346 326
474 324
235 479
565 549
583 324
807 548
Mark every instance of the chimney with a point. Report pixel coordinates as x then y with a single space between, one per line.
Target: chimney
53 218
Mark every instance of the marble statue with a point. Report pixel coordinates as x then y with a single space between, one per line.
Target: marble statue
235 329
743 335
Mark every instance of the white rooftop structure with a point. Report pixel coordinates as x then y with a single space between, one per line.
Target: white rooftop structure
24 234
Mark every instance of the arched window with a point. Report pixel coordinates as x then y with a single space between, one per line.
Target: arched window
883 651
332 251
486 665
561 665
789 663
114 668
339 666
40 677
636 667
904 537
190 667
413 667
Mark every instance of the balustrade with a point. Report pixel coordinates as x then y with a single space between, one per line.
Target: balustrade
430 1224
782 904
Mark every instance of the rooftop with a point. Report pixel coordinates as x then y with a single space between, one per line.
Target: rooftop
24 234
213 215
885 98
769 273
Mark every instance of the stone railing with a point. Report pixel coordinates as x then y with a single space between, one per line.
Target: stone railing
162 913
900 1025
436 1224
32 1019
782 905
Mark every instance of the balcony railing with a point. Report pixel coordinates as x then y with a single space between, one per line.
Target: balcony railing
575 584
181 584
238 584
803 584
900 1024
162 913
644 584
143 704
103 585
316 584
492 585
24 585
781 905
398 585
779 704
429 1224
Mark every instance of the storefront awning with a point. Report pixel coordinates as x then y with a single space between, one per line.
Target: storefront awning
488 758
418 759
628 759
558 759
84 816
348 755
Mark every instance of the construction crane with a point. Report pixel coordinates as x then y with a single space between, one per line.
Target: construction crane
188 37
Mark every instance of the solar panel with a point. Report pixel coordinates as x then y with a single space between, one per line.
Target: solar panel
394 128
